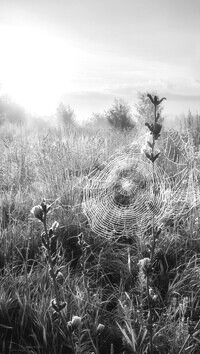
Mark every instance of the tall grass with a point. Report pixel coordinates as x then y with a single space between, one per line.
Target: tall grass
101 282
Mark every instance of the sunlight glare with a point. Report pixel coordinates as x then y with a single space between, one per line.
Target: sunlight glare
35 67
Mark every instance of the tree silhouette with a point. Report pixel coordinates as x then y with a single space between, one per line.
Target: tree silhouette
65 115
119 116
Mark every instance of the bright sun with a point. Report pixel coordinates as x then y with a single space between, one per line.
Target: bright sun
35 67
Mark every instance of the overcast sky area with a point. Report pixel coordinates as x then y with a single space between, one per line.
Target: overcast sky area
86 53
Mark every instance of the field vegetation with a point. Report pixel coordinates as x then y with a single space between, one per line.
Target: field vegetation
68 283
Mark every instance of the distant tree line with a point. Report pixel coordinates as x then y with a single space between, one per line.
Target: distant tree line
118 116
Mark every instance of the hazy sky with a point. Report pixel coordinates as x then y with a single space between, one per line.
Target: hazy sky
88 52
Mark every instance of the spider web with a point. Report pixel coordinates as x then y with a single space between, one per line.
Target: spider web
183 164
126 195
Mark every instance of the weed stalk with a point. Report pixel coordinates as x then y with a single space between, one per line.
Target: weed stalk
51 250
147 264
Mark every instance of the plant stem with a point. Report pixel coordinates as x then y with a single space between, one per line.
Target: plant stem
150 326
154 194
51 266
150 320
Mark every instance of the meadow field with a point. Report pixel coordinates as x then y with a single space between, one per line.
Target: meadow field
121 277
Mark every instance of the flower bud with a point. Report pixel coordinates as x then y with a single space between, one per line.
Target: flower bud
100 328
58 306
37 211
76 322
45 207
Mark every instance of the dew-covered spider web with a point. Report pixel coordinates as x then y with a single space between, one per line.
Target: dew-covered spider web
182 163
126 195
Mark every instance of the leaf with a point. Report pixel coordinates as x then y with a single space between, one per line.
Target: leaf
150 144
158 232
62 306
148 156
157 136
157 101
131 343
157 128
154 158
4 326
161 100
150 126
150 97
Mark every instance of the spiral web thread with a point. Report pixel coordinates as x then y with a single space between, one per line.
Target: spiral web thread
122 199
